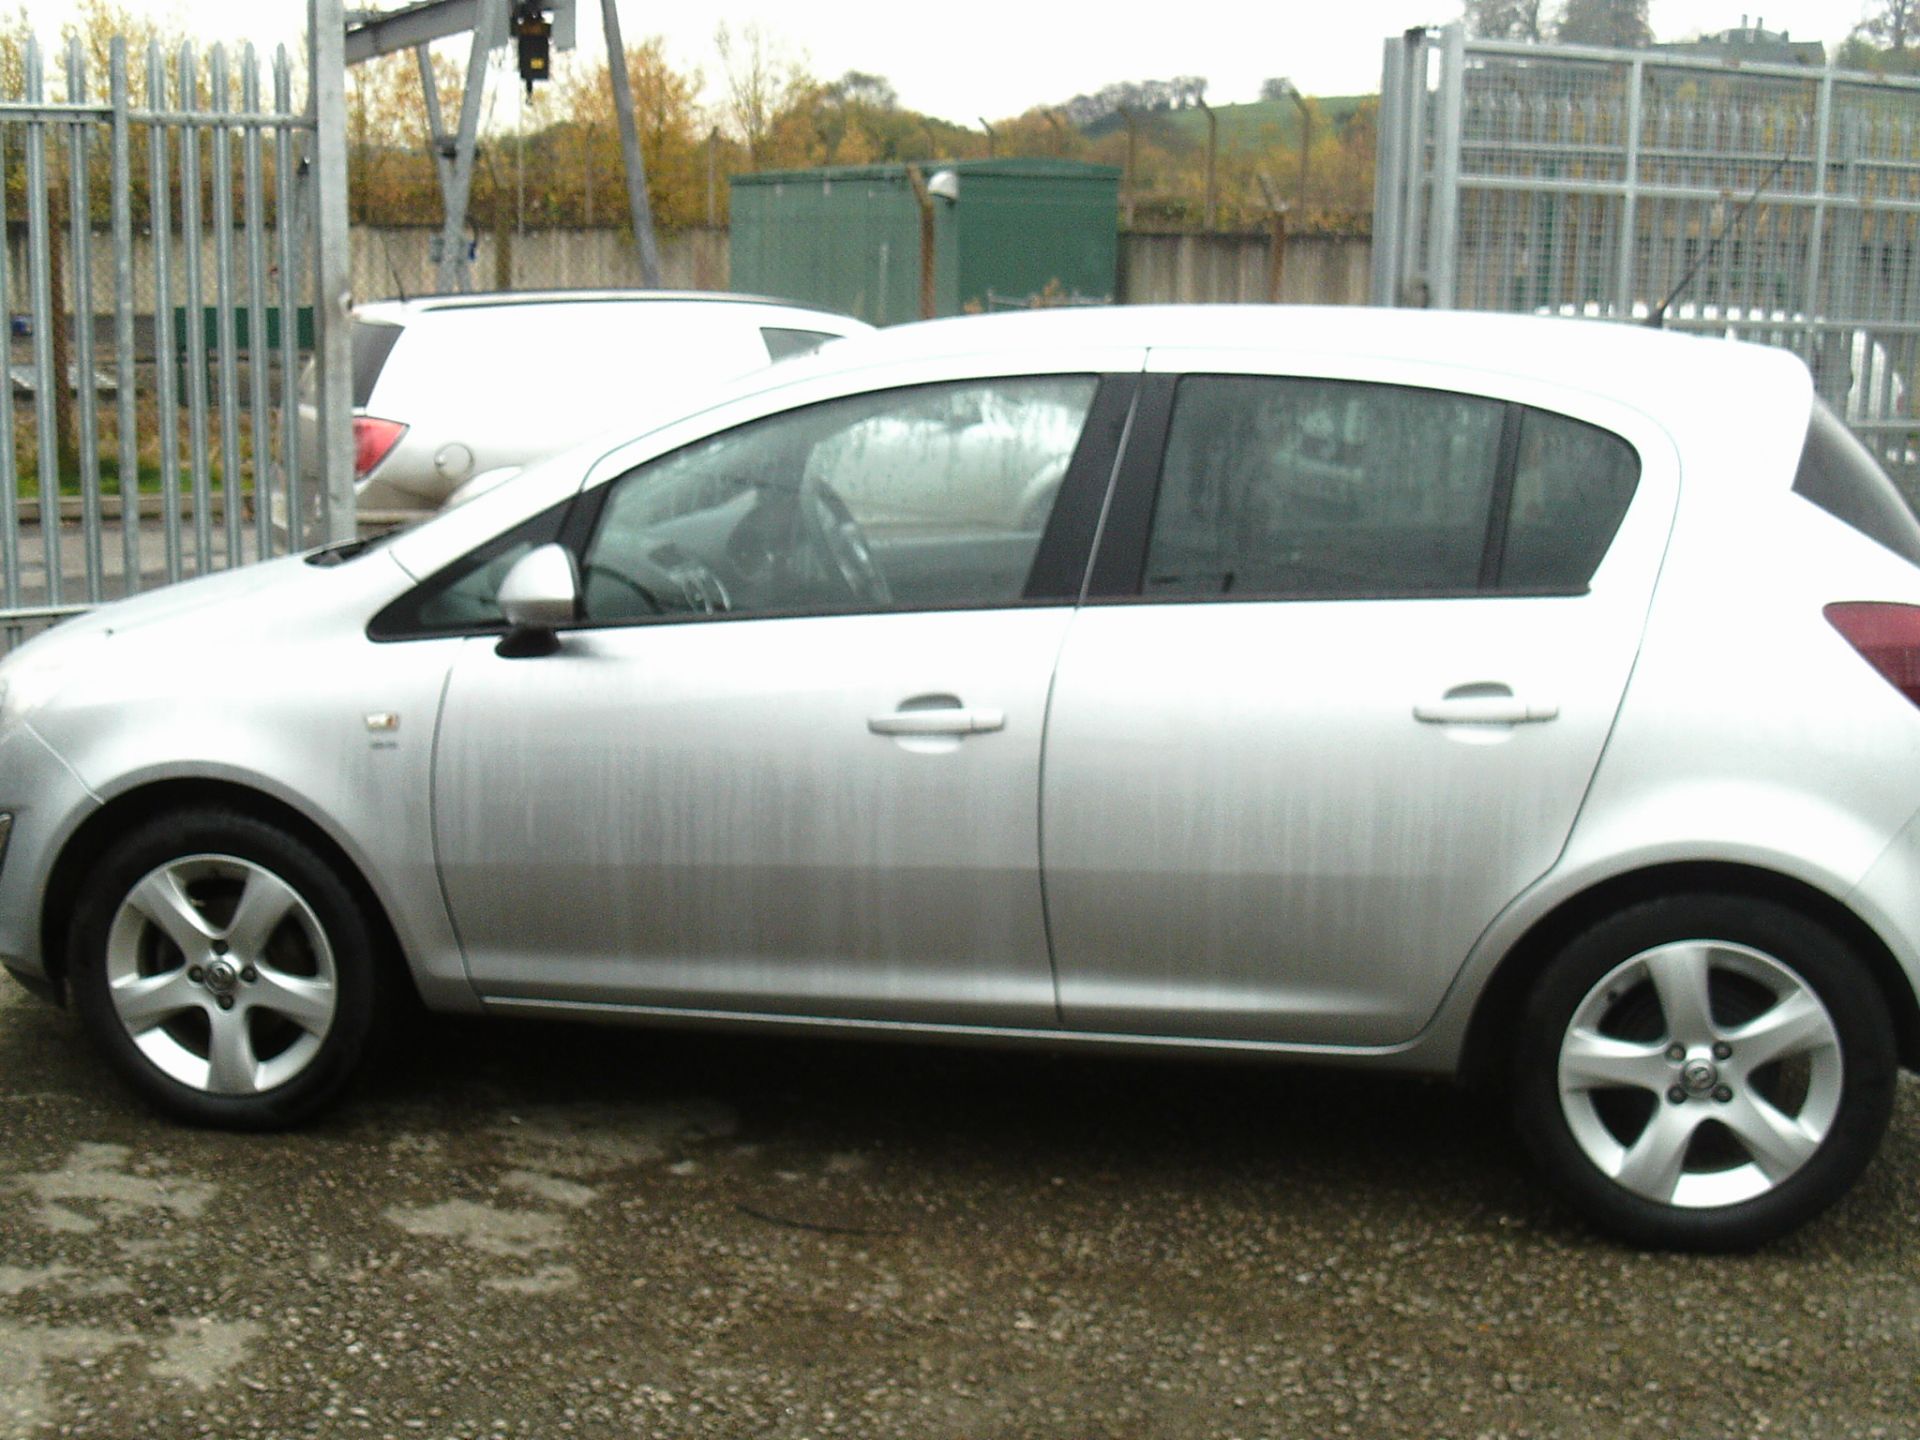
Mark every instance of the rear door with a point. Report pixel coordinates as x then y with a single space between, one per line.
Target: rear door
1354 647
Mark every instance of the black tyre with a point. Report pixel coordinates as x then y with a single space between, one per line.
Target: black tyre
225 969
1704 1072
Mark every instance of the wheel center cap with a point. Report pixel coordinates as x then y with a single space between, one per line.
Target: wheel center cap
1699 1076
221 977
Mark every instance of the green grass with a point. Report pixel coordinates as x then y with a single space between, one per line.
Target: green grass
148 482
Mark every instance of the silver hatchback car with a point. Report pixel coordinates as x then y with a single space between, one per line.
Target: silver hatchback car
1531 701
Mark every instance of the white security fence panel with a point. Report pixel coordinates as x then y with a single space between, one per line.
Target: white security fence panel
1777 204
151 431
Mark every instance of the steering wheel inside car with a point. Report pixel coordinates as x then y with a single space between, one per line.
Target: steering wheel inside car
832 527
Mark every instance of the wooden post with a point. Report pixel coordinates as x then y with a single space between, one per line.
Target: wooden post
63 397
1276 252
1212 209
919 183
1276 235
713 177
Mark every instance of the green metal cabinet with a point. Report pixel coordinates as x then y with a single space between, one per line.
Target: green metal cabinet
849 237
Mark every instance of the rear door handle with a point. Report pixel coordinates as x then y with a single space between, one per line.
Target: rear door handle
938 722
1486 710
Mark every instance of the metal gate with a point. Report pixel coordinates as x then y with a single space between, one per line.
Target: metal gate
162 279
1778 204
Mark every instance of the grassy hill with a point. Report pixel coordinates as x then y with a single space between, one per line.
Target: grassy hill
1255 124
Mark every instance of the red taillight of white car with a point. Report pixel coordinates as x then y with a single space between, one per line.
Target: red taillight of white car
373 441
1887 636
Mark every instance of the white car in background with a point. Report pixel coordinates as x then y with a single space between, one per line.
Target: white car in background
449 389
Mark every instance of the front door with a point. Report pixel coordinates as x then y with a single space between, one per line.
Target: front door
789 761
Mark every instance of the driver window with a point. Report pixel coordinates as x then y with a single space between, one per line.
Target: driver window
930 496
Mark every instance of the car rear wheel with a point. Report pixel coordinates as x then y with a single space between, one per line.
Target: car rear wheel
1704 1072
225 969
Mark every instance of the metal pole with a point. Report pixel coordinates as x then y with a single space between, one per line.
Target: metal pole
1413 215
80 216
289 233
333 314
455 272
630 148
9 466
165 378
253 180
1822 140
40 280
436 122
1630 201
1446 177
191 245
120 164
226 362
1388 185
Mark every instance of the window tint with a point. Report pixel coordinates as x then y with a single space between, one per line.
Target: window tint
782 343
1571 485
930 496
1322 487
1840 475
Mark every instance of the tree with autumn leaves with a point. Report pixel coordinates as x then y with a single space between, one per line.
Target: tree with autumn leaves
561 166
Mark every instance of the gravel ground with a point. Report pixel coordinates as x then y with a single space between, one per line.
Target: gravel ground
533 1231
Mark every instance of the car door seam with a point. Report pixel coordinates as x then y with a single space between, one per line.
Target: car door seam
1046 713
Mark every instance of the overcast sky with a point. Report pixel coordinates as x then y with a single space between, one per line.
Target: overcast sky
998 57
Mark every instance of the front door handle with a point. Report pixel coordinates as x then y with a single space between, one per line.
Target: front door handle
938 722
1486 710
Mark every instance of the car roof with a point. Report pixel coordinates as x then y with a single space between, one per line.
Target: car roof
1635 363
401 311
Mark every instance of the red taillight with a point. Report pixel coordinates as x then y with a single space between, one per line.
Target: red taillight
373 440
1888 636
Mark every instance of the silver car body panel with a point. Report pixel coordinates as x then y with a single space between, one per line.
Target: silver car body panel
1251 834
704 815
305 736
1747 733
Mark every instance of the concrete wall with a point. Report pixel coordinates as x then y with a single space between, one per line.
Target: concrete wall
390 261
1315 269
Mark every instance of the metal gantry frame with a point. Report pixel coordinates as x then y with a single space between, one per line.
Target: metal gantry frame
370 34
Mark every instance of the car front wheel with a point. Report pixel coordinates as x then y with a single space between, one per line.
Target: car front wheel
225 969
1704 1072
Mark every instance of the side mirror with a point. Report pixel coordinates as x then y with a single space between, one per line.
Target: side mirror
539 594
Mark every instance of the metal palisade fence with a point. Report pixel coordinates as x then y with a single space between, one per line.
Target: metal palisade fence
1773 203
159 275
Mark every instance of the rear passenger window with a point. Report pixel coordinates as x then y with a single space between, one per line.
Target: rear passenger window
1289 487
1571 485
1292 487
